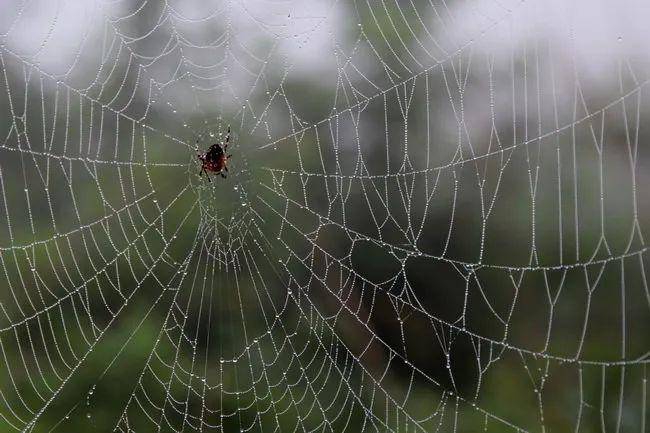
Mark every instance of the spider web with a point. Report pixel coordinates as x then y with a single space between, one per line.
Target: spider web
434 217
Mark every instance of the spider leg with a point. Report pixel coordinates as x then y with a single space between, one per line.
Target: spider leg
225 147
228 157
225 168
223 175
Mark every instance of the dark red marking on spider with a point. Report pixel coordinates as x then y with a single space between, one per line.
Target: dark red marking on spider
215 159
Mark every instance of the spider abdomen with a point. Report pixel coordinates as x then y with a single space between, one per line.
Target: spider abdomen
215 159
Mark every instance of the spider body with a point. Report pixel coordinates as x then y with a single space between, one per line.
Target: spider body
215 159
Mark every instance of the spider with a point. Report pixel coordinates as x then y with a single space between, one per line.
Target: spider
215 159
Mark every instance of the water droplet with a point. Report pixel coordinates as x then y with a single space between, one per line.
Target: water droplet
620 39
88 415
